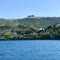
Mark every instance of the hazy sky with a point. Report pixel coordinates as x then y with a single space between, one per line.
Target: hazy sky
23 8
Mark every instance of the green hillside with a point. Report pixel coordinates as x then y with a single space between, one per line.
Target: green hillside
30 28
41 22
7 22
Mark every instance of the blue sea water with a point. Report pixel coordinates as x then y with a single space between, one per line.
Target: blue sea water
30 50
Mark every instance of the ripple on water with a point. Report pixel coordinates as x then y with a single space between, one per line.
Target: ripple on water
30 50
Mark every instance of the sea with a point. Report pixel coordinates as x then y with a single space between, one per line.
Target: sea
30 50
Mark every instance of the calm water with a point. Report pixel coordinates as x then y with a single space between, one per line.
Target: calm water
30 50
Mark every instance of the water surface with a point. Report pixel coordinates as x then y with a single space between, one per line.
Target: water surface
30 50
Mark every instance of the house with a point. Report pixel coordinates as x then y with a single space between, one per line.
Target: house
40 29
32 16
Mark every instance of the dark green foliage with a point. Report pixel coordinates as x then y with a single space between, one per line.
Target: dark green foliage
41 22
28 28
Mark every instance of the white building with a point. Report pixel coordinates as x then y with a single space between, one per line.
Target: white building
40 29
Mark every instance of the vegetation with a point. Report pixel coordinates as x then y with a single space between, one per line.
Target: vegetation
30 28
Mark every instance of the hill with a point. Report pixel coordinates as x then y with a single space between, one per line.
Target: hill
30 28
41 22
31 21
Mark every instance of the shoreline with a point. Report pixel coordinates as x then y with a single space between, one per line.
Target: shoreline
25 39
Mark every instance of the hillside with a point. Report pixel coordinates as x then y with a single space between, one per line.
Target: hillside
41 22
31 21
30 28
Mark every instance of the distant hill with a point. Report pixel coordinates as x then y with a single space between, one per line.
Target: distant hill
7 22
31 21
41 22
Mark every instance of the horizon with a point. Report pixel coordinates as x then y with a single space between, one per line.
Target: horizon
13 9
34 16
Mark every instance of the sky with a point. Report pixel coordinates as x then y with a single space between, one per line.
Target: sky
23 8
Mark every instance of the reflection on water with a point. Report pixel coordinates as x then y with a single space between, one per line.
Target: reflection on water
30 50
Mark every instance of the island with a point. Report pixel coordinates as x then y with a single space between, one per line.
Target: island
30 28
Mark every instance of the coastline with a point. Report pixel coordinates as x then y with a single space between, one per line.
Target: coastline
25 39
